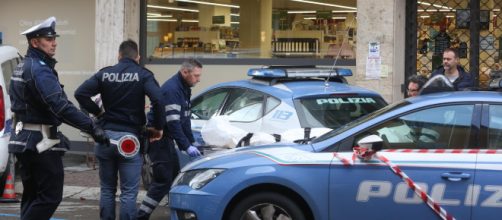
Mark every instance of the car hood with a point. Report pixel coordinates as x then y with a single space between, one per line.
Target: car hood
250 156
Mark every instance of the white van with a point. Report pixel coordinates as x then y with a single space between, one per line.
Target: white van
9 59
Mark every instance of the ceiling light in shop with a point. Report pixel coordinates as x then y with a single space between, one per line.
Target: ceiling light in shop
153 14
236 15
234 22
313 12
336 18
436 10
325 4
301 12
344 11
159 16
160 19
172 8
209 3
435 5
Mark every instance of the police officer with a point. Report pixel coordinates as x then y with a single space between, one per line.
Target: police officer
123 88
165 163
40 105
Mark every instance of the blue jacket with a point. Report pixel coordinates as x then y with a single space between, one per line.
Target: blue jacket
178 127
37 97
464 81
123 88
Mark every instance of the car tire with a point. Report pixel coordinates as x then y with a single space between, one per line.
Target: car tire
266 205
146 171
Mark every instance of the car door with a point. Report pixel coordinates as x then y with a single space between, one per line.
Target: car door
414 142
487 188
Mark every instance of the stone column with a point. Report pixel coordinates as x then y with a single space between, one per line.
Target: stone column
116 20
255 28
382 21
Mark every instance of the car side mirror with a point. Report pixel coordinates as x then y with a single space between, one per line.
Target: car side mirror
371 143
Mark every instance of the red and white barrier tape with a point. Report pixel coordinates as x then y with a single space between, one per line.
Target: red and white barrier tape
365 155
445 151
423 195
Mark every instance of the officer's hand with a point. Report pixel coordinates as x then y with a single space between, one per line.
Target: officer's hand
99 135
154 134
193 151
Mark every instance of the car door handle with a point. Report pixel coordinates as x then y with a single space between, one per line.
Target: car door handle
455 176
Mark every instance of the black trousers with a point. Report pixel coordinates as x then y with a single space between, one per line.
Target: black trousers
43 179
165 168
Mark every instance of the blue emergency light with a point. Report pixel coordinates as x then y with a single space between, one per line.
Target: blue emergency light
291 72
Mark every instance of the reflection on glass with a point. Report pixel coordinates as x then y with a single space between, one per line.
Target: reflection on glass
234 29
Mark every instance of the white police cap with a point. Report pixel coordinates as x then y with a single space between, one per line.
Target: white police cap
45 29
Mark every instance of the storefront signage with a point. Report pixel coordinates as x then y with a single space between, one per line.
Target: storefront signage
219 19
324 14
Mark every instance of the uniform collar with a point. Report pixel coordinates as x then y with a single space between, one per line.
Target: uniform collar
127 60
37 53
180 78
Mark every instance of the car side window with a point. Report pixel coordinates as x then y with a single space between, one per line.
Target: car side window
206 106
272 102
495 127
244 106
445 127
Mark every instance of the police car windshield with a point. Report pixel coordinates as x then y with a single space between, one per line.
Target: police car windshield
336 110
361 120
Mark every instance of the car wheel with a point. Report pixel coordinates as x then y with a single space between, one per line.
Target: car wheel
146 171
266 205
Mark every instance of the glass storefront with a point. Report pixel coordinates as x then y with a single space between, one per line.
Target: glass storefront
263 29
445 23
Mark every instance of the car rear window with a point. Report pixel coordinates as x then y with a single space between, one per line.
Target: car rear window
335 110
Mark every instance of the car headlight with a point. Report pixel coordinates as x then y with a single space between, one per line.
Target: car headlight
197 178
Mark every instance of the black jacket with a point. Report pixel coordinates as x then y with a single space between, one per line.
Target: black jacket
123 88
464 81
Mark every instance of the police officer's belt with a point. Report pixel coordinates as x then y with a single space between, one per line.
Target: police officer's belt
39 127
49 134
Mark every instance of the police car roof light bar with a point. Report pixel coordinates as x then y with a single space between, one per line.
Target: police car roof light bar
286 72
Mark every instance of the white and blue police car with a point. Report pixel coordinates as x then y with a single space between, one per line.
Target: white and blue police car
9 59
280 98
448 144
277 99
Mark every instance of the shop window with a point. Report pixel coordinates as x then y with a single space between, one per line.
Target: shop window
212 29
444 23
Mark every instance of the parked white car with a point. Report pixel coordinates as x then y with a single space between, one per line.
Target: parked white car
9 59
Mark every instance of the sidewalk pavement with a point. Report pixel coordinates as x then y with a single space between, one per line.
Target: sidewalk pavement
82 181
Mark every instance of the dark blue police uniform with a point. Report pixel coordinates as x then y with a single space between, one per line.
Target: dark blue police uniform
165 161
40 105
123 88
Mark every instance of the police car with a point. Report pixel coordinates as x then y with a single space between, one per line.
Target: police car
442 156
280 98
277 99
9 59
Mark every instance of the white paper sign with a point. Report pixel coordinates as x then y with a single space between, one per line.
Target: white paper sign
374 50
373 68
